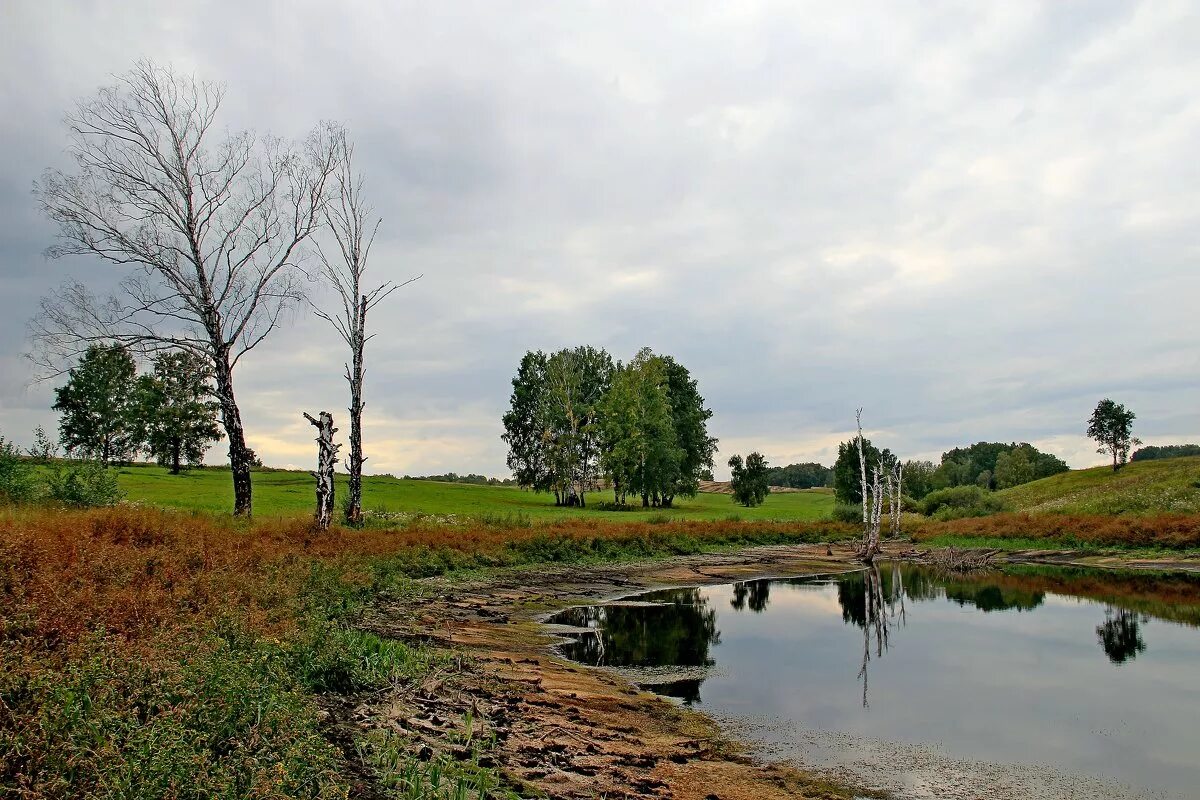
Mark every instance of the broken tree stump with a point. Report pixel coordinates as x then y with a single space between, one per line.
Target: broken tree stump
326 461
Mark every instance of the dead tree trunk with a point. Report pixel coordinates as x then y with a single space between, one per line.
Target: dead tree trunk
354 375
872 500
348 219
326 460
896 498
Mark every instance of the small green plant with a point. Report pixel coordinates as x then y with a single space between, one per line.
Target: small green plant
83 484
17 480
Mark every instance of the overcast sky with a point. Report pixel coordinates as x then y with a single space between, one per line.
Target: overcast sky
973 219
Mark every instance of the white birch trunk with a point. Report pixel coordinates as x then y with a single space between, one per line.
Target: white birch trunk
326 461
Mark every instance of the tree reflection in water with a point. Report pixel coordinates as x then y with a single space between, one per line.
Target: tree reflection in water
1120 635
757 593
678 634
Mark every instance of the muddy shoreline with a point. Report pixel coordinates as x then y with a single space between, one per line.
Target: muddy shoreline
559 729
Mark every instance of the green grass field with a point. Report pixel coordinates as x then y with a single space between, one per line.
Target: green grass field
1170 485
280 492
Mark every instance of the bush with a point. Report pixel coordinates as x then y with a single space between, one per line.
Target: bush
958 502
84 485
846 512
17 479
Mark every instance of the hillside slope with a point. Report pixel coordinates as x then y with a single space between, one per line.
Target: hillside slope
1143 487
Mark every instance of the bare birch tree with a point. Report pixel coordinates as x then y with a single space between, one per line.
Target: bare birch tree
210 228
349 219
872 499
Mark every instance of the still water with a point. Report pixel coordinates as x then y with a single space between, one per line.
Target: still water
1028 682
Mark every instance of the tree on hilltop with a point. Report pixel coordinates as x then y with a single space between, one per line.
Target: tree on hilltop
1111 426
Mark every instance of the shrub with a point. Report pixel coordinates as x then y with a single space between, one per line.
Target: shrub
958 502
84 484
846 512
17 480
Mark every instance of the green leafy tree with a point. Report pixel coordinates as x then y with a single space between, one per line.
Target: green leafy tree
690 420
526 425
175 410
1014 468
1111 426
96 404
800 476
847 485
641 453
749 481
918 478
576 382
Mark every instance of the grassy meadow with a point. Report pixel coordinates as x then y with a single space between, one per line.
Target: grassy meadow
284 493
1166 486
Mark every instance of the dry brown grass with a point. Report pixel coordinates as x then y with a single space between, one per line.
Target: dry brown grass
139 570
1171 531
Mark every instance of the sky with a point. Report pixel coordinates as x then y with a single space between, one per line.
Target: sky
972 220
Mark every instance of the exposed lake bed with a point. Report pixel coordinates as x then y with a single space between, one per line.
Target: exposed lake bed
1023 682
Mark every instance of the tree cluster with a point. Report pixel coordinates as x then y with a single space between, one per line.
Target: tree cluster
800 476
1153 452
576 418
110 413
749 481
995 465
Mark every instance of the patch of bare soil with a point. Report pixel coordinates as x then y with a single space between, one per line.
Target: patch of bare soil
563 730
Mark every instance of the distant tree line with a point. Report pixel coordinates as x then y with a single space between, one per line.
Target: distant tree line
110 413
800 476
454 477
1153 451
577 418
988 465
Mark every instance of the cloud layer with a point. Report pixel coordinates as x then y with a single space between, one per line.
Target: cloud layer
973 221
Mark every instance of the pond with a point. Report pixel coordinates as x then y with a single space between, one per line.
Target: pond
1031 682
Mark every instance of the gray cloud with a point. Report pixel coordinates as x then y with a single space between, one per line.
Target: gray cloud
973 221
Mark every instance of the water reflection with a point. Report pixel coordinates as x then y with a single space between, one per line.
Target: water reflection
1120 635
758 593
1082 669
678 632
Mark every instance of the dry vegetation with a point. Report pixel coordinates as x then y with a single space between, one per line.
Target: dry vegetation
181 655
1160 531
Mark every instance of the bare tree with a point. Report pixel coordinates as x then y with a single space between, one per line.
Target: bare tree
209 226
348 217
872 501
326 461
